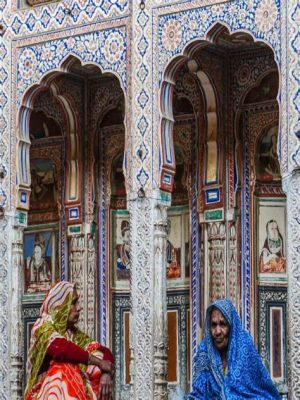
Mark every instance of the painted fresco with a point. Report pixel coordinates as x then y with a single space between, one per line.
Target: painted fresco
177 244
271 237
267 165
43 185
121 259
40 260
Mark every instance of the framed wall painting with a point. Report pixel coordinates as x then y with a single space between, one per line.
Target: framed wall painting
120 249
271 239
178 246
41 268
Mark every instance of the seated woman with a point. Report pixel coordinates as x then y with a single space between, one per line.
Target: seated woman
227 364
63 362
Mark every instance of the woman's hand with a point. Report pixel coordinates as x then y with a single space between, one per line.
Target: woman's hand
107 366
105 387
104 365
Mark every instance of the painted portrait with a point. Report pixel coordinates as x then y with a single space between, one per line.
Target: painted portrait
43 185
272 258
122 249
39 249
267 164
177 248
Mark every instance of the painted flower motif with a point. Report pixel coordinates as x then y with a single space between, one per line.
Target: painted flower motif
28 63
266 15
217 9
250 4
203 14
171 35
70 43
92 45
242 15
114 47
80 46
232 9
193 24
60 49
47 52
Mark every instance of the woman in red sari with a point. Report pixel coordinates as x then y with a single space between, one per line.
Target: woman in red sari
63 362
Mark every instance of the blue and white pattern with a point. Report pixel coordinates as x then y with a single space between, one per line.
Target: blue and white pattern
175 31
246 372
106 48
63 14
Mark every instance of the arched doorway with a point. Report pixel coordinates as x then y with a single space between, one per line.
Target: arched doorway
67 142
227 71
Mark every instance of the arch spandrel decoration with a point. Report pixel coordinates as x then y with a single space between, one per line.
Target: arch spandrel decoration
43 61
104 48
179 33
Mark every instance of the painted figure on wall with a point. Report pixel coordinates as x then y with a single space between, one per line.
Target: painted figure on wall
43 185
271 256
123 252
173 257
268 168
38 265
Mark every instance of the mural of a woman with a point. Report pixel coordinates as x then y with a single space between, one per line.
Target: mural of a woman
38 267
271 256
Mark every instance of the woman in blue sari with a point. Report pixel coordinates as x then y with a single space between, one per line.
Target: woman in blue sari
228 366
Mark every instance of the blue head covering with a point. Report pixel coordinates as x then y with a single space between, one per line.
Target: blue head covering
246 378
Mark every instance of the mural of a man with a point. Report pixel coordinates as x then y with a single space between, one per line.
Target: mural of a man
123 252
38 266
272 257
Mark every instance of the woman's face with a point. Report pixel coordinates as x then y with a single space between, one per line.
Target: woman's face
37 253
273 230
219 329
74 311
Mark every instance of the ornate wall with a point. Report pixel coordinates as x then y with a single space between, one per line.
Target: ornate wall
36 42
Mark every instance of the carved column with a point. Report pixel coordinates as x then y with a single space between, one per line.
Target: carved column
293 225
160 304
148 298
216 258
16 343
232 263
141 215
77 272
5 316
91 286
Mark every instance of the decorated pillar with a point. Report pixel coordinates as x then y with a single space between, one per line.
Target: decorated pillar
91 286
160 304
82 271
141 219
145 383
16 332
77 271
293 226
148 298
216 259
232 290
5 317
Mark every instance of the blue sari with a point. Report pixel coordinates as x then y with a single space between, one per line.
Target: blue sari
246 376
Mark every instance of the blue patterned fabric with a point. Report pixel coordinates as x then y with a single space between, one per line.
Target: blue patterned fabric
246 378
